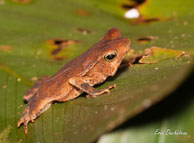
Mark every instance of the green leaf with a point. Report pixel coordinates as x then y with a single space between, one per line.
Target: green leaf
4 135
26 30
168 121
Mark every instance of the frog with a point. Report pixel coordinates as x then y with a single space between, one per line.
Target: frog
78 76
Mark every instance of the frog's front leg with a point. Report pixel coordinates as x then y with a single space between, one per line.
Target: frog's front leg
85 84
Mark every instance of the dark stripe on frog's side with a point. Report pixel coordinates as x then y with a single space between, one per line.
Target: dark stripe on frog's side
85 86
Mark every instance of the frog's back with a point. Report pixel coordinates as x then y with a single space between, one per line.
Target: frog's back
83 63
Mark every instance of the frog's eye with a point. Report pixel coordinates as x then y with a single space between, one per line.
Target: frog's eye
110 56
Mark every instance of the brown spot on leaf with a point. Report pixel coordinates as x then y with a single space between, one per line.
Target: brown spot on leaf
83 31
146 39
133 4
56 51
127 6
58 47
6 48
139 2
63 42
147 20
82 12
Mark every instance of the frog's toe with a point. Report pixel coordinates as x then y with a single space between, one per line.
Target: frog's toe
25 119
26 126
20 122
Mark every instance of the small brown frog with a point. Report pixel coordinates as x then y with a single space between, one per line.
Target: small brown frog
78 76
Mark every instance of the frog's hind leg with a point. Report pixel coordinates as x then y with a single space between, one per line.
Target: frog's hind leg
34 88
